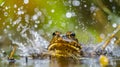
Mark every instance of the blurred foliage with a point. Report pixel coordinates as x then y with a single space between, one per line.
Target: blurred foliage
89 19
1 1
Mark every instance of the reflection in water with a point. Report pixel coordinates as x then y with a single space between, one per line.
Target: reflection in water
62 62
59 62
11 65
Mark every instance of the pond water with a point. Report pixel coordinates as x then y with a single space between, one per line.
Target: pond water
85 62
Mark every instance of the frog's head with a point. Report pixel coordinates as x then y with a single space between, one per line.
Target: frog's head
64 45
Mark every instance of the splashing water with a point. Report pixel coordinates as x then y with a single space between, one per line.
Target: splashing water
35 44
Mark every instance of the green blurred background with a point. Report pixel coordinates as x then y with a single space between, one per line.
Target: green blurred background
91 20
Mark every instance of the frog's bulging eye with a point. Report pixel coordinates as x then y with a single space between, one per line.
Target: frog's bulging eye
72 34
56 33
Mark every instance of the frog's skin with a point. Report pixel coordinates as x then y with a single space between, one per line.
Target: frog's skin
65 45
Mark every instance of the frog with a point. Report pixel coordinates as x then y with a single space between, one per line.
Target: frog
65 45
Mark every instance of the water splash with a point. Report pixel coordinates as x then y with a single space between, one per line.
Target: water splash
34 44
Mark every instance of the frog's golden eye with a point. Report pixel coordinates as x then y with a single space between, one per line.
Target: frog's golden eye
71 34
56 33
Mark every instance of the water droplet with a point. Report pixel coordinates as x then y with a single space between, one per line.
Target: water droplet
35 17
68 14
39 13
15 6
6 7
24 35
18 9
94 14
36 10
35 26
27 18
76 27
5 14
102 36
8 26
76 3
113 7
63 24
92 8
26 1
114 25
52 10
111 0
37 22
109 17
0 37
85 5
9 35
20 12
3 23
5 30
50 22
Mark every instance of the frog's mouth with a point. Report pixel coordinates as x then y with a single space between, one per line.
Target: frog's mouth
64 49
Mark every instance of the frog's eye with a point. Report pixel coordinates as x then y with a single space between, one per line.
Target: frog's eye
56 33
72 34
